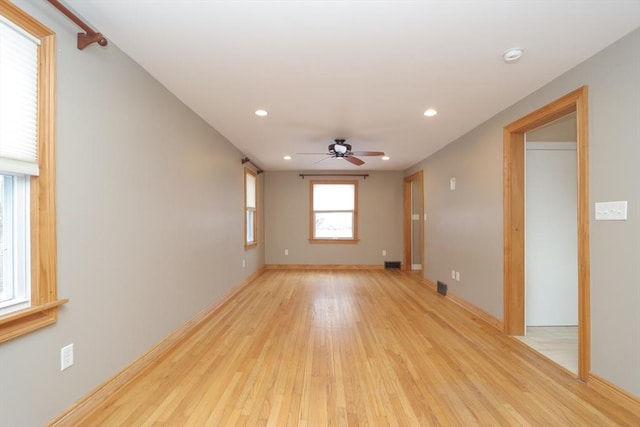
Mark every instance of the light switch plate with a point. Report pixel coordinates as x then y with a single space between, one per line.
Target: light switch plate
611 211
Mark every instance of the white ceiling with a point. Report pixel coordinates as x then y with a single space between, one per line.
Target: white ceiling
360 70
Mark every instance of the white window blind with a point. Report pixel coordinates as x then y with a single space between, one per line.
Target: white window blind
251 190
18 100
333 197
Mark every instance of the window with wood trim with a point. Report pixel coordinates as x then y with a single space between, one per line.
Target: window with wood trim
250 208
334 212
28 295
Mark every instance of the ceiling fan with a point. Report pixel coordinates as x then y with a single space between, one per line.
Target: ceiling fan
339 149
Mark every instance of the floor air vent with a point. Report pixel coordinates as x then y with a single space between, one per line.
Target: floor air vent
392 264
442 288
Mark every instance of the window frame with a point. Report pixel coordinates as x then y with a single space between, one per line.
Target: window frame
312 238
247 209
43 310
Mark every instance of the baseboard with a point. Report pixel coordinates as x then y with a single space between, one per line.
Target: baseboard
614 393
91 402
475 311
321 267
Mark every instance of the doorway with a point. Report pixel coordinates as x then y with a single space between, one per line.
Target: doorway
514 216
413 223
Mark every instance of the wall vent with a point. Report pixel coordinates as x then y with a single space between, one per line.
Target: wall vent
442 288
392 264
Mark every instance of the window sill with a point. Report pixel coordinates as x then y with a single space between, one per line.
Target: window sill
348 241
24 321
250 245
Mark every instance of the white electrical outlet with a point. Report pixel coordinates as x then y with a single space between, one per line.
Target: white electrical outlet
243 263
452 184
66 357
453 274
286 251
384 252
457 276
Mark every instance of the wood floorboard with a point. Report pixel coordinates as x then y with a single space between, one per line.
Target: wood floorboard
361 348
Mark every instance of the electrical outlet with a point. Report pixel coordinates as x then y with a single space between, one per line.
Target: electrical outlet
286 251
457 276
66 357
384 252
243 263
453 274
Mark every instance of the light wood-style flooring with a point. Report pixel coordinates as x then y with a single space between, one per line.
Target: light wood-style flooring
360 348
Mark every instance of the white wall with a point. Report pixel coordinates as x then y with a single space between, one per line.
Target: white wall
150 226
551 228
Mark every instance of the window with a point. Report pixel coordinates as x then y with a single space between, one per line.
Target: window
334 213
250 208
28 294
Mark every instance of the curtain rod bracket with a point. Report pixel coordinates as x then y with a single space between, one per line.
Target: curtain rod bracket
247 160
86 38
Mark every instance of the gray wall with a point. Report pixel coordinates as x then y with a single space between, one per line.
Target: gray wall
150 217
464 227
379 221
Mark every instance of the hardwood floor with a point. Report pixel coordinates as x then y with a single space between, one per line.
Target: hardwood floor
377 348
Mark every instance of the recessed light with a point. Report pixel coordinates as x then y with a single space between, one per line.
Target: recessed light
287 157
261 113
385 157
512 55
430 112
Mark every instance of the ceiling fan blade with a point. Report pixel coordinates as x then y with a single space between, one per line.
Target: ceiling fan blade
368 153
354 160
322 160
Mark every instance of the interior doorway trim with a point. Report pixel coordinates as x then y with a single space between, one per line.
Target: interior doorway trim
513 203
416 178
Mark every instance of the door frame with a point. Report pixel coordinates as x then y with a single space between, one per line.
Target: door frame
406 222
513 204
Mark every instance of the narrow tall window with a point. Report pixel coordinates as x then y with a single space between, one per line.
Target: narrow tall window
250 208
334 214
28 294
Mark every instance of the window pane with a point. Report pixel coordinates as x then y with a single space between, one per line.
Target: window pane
333 225
14 243
333 197
7 284
250 225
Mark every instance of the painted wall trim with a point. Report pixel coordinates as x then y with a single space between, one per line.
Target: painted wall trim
87 405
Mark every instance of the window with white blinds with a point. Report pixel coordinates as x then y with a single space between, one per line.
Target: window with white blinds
28 286
251 207
18 100
334 214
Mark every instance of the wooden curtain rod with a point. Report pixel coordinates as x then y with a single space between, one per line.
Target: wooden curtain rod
247 160
84 39
363 175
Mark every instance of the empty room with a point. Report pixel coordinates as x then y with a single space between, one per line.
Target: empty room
314 213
